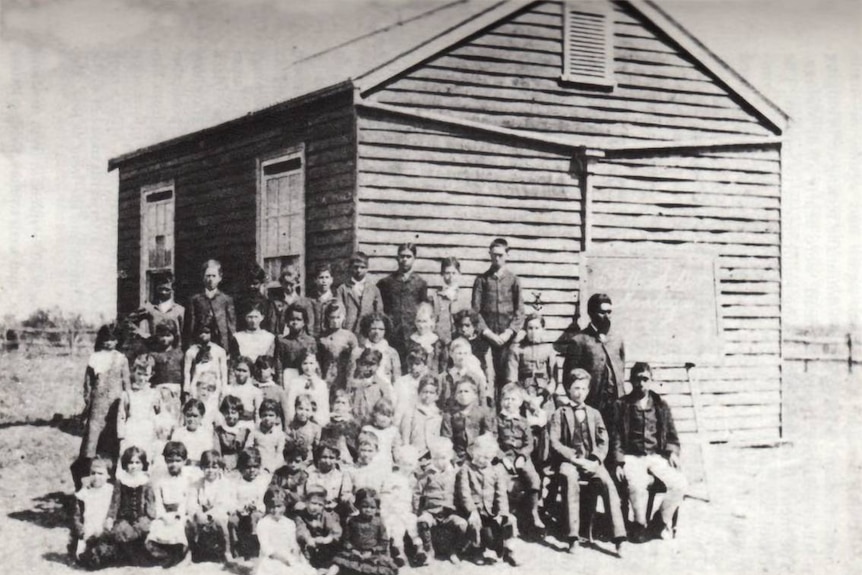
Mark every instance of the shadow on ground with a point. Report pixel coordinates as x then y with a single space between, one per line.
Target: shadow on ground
71 424
49 511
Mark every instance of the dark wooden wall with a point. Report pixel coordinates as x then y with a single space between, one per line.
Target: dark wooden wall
509 77
452 192
215 176
730 202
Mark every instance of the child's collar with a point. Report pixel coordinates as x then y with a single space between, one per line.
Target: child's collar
130 480
427 409
510 415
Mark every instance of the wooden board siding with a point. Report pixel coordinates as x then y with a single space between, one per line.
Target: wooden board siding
215 178
728 202
508 76
453 192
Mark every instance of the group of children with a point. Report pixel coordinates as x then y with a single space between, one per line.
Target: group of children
325 436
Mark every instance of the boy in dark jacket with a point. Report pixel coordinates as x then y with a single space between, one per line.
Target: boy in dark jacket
644 446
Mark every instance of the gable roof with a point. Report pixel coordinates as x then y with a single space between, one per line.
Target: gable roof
372 59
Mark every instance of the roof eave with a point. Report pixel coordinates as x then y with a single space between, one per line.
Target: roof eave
343 86
767 109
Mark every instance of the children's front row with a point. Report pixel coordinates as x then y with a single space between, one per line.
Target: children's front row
371 497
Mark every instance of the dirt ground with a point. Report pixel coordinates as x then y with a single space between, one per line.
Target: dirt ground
789 509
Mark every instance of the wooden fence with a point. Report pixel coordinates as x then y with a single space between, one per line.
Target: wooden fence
840 349
49 340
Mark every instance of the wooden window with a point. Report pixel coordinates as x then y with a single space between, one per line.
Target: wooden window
281 213
157 235
588 48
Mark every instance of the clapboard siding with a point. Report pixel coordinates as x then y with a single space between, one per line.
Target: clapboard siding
215 177
508 76
705 200
454 192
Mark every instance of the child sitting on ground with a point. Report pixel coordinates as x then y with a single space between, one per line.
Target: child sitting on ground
279 550
292 476
427 339
212 499
438 521
421 425
269 438
302 429
244 388
318 530
365 543
92 502
342 430
249 489
515 438
481 499
308 382
133 507
231 435
365 387
167 541
406 387
328 474
467 419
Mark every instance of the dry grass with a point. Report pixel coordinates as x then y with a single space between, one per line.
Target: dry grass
35 388
791 509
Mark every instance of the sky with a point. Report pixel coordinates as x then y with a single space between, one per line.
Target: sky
82 81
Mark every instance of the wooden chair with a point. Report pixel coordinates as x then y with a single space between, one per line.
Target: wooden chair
655 487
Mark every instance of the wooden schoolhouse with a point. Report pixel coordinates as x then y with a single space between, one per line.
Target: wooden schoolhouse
612 149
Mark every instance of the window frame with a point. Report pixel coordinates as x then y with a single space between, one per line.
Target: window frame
595 8
283 155
144 264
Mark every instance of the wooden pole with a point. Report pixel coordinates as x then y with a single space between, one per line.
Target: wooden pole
849 353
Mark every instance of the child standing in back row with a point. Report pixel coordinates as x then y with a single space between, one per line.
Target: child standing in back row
107 376
499 300
211 307
320 299
359 296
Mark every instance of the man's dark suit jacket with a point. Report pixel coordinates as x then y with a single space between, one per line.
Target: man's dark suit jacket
582 348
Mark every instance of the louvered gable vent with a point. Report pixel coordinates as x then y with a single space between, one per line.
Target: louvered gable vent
588 44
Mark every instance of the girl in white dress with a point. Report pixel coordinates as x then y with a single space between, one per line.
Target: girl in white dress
279 550
167 539
311 383
253 341
139 409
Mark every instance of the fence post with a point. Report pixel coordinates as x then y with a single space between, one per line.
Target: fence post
849 353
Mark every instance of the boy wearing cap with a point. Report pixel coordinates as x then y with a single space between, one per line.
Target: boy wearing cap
358 295
644 446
